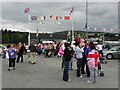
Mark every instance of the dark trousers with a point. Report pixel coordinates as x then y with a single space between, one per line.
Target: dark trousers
101 52
83 64
70 63
11 62
18 58
79 67
66 71
63 62
99 66
87 70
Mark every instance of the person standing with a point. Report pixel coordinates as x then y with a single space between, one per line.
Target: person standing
40 46
61 53
84 59
99 47
68 52
32 49
78 39
87 50
12 57
20 52
92 61
79 56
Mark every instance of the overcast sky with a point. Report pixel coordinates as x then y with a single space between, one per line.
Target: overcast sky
100 15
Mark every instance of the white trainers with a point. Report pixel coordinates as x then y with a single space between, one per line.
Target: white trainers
68 80
81 76
89 82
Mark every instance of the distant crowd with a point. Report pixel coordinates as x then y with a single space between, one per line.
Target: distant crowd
86 54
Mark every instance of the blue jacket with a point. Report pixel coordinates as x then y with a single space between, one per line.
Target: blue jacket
12 53
87 50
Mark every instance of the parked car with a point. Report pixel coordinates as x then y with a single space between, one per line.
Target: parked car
110 45
112 53
3 50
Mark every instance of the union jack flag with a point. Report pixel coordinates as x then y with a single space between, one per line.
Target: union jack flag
71 11
93 58
27 10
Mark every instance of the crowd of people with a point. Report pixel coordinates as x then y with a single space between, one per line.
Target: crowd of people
86 54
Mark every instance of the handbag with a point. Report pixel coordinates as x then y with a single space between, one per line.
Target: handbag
61 52
101 73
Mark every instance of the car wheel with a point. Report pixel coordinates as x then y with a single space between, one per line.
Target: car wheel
109 56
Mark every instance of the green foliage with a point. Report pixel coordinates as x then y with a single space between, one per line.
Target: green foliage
13 37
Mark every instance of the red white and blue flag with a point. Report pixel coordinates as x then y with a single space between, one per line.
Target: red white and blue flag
93 58
51 17
69 33
37 34
27 10
72 10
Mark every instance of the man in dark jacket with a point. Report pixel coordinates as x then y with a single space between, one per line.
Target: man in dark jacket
32 49
68 52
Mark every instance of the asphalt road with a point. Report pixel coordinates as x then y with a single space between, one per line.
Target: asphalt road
47 73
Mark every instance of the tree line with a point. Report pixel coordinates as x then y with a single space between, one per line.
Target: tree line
9 36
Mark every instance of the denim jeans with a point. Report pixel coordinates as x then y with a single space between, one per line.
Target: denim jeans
93 74
66 71
70 64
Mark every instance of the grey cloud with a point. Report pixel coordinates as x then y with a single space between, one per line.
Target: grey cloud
99 15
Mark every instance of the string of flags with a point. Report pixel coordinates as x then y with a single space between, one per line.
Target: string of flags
27 10
102 29
50 18
49 23
66 18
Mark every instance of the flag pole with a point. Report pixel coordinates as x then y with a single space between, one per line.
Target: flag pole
29 30
37 32
86 26
73 26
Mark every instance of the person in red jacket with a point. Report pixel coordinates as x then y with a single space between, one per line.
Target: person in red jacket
78 39
92 60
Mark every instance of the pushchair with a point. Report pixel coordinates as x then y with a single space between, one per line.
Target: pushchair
102 60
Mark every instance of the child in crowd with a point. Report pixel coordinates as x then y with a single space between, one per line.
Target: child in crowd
12 57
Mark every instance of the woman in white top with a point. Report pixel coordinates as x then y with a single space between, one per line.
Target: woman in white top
78 54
